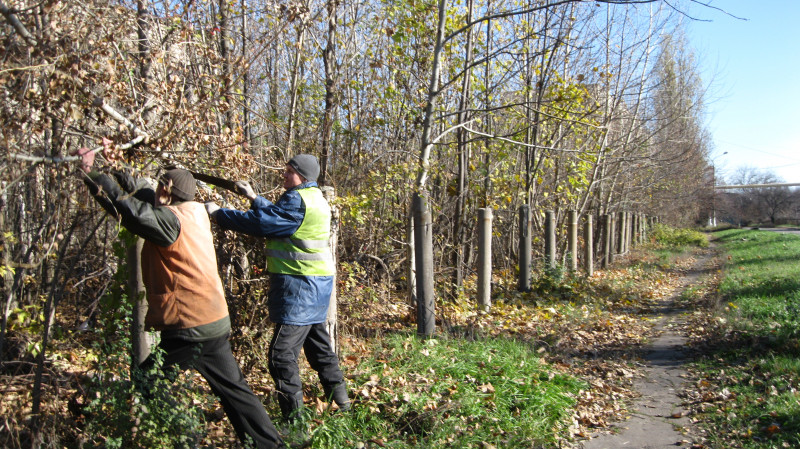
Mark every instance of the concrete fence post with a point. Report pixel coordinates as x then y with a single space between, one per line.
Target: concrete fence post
573 240
638 229
646 227
549 239
423 236
630 230
606 226
588 242
485 258
611 233
525 242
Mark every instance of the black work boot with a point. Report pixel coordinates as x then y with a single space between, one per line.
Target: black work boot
295 432
338 394
291 405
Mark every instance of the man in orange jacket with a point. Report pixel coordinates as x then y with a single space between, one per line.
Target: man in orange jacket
185 298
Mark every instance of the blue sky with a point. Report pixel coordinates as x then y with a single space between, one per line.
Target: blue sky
753 67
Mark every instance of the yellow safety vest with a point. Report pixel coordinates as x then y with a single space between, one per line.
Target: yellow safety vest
306 252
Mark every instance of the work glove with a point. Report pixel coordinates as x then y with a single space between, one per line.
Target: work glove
244 188
211 208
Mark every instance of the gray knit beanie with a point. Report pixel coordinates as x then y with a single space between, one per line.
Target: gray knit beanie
306 165
183 184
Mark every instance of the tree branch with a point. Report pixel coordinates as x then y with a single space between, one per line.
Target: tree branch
516 142
100 103
12 19
65 159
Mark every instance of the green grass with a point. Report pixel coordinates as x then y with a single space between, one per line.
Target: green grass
452 393
763 283
758 360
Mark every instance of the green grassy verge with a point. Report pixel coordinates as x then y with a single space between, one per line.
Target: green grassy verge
753 376
452 393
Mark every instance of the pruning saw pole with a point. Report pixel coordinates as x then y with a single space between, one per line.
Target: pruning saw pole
226 184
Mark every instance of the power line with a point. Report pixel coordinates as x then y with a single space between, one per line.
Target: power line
760 151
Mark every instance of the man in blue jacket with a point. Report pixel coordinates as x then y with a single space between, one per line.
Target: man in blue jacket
301 269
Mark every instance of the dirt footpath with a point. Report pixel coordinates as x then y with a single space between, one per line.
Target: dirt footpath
657 418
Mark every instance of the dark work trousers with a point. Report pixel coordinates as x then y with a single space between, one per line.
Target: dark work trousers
284 349
215 362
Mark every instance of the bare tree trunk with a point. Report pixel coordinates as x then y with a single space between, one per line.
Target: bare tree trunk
331 94
459 238
298 61
8 278
411 274
533 159
224 51
423 232
248 135
487 156
53 298
140 341
433 93
144 59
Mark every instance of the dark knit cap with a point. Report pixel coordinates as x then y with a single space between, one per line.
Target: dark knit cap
183 185
306 165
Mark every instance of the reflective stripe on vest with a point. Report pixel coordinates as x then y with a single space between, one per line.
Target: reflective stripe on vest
306 252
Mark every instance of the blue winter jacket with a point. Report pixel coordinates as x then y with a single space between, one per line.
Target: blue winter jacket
295 300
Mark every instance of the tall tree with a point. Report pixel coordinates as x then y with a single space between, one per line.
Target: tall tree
331 88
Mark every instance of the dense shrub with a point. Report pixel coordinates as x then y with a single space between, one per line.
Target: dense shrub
669 236
136 409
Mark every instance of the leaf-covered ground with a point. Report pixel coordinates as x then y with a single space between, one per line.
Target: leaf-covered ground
590 329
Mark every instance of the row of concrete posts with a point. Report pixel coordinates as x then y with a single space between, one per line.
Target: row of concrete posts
618 233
